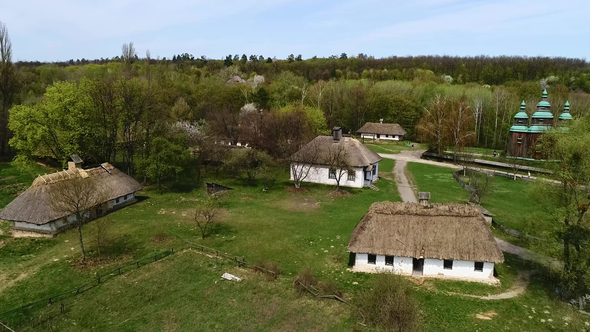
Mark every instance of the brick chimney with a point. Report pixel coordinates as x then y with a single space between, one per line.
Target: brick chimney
337 134
75 162
423 197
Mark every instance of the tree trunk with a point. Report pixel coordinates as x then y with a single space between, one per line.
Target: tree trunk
80 223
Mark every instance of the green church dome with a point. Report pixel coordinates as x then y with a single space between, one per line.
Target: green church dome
543 108
566 112
522 114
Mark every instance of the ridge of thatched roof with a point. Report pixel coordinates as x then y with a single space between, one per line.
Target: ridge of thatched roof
382 129
438 231
33 206
357 154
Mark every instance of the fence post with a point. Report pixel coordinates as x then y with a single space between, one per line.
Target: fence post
119 271
63 309
172 250
98 280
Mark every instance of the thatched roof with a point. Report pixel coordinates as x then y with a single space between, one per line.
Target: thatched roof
33 205
438 231
382 129
320 149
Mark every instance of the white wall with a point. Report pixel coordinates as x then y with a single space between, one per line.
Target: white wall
382 137
320 174
33 227
432 267
113 202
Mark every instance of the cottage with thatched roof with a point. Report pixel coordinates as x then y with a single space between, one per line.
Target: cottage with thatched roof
431 240
335 160
33 211
382 131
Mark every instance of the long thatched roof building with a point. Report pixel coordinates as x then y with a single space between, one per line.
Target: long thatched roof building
32 211
428 239
380 130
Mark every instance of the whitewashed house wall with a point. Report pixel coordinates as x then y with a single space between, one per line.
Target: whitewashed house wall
56 225
432 267
320 174
382 137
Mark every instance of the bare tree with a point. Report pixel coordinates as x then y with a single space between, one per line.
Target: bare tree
75 198
433 126
482 184
338 162
206 214
302 162
460 124
515 166
128 56
8 84
101 231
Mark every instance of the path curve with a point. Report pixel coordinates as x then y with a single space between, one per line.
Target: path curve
519 288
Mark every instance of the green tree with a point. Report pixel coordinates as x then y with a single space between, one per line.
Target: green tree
8 85
570 199
166 160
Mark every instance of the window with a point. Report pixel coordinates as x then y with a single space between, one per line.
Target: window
332 173
117 200
125 198
351 176
541 120
389 260
479 266
448 264
519 140
519 121
372 259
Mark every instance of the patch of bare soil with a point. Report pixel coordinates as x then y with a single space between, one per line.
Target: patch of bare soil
340 193
292 189
160 238
299 204
97 262
16 233
489 315
8 282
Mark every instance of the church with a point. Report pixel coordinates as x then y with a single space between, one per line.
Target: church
525 132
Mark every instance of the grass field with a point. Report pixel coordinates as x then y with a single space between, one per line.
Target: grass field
393 147
183 292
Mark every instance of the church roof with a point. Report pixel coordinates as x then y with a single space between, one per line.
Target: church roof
566 112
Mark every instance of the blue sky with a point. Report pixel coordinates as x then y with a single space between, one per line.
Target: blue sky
53 30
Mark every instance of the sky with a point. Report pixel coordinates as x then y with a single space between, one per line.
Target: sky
59 30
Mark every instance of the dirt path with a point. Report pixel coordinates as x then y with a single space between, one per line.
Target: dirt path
415 156
522 281
403 185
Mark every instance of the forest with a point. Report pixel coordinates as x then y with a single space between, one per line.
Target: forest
156 116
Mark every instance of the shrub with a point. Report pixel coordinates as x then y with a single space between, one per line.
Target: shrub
305 278
390 305
265 266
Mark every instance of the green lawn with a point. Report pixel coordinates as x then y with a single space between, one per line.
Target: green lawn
393 147
439 182
183 292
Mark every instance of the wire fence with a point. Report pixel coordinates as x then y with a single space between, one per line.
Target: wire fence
240 261
95 282
24 311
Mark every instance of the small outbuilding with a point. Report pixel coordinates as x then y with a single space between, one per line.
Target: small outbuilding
327 158
382 131
31 211
425 240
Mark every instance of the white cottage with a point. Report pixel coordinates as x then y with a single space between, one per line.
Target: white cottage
327 158
31 211
382 131
425 240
